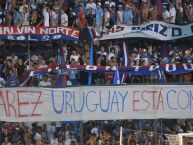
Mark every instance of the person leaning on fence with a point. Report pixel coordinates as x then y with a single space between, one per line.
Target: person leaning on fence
45 82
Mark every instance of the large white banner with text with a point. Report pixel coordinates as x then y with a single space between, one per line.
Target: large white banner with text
153 30
96 103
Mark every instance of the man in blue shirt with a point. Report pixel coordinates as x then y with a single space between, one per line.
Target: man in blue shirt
127 16
99 16
17 17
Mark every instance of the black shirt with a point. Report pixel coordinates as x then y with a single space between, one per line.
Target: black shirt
71 19
20 69
90 19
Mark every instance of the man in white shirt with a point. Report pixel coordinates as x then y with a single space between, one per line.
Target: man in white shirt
45 82
46 14
119 15
165 14
54 16
172 13
64 18
92 5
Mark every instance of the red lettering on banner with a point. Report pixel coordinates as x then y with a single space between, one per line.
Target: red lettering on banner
13 103
149 99
3 102
160 100
153 98
119 28
21 104
113 30
143 98
39 30
75 34
36 104
135 101
10 104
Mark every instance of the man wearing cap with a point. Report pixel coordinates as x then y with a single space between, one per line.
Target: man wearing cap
92 5
165 14
127 16
119 15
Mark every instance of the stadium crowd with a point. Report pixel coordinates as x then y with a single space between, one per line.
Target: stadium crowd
15 69
102 15
135 132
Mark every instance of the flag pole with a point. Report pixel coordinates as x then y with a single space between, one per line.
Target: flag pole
28 49
91 56
121 134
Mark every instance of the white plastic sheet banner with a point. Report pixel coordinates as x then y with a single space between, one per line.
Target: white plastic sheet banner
96 103
153 30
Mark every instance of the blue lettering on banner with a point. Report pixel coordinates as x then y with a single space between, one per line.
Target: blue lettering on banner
183 99
93 98
123 99
168 102
157 28
115 101
180 97
68 101
101 104
90 101
176 32
53 103
80 103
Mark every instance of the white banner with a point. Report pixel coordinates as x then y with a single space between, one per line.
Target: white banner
96 103
153 30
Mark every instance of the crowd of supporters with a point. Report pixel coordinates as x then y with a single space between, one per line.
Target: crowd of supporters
134 132
15 69
102 14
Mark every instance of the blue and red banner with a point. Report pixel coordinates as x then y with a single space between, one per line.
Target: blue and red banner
134 70
28 33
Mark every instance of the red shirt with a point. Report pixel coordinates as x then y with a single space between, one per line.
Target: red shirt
81 18
53 64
